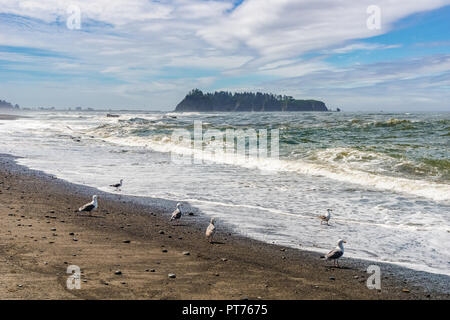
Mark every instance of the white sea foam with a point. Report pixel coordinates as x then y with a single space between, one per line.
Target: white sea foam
343 172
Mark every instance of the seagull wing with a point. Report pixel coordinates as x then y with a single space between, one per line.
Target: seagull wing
334 254
87 207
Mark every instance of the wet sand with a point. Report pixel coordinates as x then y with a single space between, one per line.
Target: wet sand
127 248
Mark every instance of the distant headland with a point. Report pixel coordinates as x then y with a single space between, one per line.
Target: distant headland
197 101
7 105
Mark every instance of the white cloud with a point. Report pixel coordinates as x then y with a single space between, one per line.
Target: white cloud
135 41
395 85
279 29
361 46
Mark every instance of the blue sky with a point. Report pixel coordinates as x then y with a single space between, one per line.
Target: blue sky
148 54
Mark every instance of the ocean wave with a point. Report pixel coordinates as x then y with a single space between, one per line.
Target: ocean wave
399 222
387 164
391 122
384 170
348 174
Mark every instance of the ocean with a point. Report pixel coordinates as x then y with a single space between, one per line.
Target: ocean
385 175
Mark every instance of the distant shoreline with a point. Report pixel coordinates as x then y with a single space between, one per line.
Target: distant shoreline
10 117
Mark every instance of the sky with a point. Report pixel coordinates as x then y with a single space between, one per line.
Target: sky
141 54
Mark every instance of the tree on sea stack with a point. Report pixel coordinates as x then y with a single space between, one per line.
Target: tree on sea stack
7 105
223 101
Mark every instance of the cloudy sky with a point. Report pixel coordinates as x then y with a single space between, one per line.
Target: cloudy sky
149 54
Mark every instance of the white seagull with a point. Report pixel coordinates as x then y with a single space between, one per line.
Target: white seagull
326 217
211 230
336 253
88 207
117 185
176 215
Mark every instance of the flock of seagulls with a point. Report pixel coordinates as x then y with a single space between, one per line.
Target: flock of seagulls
333 255
210 230
337 252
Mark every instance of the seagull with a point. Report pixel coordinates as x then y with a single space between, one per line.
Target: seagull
176 215
211 230
336 253
326 217
117 185
88 207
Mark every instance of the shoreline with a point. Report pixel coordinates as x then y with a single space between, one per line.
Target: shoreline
33 203
11 116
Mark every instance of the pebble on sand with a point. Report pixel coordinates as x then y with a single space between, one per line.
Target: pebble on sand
172 275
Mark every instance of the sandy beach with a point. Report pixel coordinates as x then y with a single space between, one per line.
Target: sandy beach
126 250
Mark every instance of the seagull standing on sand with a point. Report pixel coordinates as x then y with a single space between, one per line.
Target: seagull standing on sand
326 217
176 215
88 207
211 230
336 253
117 185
